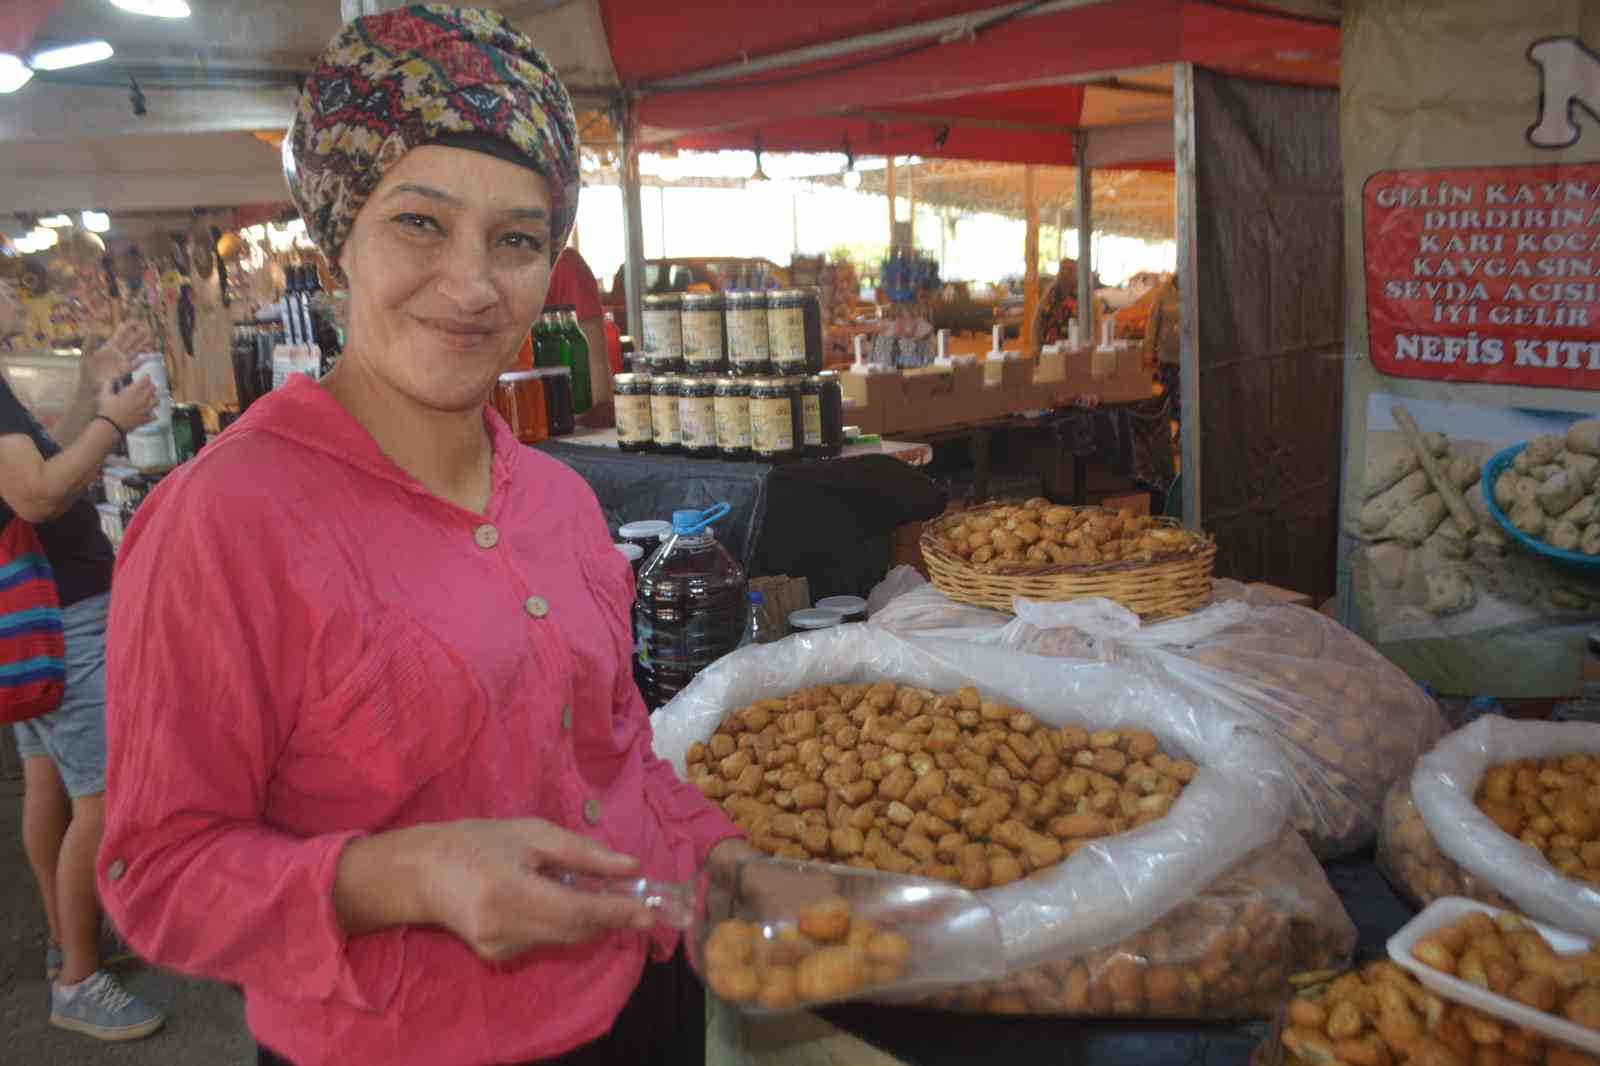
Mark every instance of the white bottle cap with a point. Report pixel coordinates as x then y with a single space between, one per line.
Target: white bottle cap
848 606
814 618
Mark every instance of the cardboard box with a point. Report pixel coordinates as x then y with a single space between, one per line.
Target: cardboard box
1123 376
1137 502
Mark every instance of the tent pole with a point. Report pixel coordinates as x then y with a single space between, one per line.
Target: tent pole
911 196
1086 322
1030 255
1188 291
888 187
632 215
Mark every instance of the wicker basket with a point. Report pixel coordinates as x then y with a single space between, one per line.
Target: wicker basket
1165 587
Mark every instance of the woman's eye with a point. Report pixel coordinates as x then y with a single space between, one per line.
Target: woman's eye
416 222
523 240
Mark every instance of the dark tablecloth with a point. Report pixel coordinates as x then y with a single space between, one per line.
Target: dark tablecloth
938 1038
828 522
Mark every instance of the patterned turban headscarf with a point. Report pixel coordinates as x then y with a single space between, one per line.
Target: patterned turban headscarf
389 83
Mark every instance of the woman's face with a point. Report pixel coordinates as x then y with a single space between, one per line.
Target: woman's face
448 262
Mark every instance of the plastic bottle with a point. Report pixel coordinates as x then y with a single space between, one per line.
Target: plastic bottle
690 607
753 633
575 354
546 342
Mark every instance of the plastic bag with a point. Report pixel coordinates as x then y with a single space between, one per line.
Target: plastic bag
1347 721
1109 890
1227 952
1413 863
1444 786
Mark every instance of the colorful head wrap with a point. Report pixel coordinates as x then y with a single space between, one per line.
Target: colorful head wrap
429 73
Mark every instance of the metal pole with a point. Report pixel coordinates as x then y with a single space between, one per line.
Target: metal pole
1086 323
1028 342
888 186
911 197
632 215
1188 290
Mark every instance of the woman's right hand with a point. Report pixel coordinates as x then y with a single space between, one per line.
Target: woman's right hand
483 884
130 408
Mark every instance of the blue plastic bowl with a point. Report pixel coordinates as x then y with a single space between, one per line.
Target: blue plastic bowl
1491 473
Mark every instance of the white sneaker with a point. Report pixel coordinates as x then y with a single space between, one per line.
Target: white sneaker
103 1009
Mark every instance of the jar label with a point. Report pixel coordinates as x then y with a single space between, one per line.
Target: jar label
663 334
697 418
747 335
664 419
772 425
733 423
702 336
786 328
634 419
813 420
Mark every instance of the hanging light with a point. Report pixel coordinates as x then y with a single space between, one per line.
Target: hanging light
14 73
71 55
164 9
44 237
55 221
760 174
96 221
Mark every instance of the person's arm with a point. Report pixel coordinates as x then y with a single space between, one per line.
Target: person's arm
100 364
39 489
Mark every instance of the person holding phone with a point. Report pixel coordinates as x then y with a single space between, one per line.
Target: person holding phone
64 752
392 699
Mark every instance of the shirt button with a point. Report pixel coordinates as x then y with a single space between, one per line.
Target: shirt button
537 606
486 535
591 811
566 717
115 871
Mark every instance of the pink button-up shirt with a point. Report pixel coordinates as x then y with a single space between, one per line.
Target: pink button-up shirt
305 647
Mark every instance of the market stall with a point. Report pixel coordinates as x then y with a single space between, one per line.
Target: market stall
1156 800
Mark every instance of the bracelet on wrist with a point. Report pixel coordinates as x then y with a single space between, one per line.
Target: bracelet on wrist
122 434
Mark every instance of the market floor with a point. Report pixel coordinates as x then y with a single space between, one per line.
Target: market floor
205 1021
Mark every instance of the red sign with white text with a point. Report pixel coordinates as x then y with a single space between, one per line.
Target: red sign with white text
1489 275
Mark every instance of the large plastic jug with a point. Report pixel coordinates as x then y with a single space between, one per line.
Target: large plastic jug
690 609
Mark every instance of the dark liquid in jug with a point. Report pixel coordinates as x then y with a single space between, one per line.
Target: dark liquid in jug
689 612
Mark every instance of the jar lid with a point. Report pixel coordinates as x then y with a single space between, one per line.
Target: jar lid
620 379
645 530
552 372
768 383
826 376
815 618
747 298
702 300
795 294
663 379
631 552
848 606
664 299
729 383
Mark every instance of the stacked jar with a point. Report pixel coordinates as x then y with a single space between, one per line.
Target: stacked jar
704 334
635 421
748 340
663 333
794 331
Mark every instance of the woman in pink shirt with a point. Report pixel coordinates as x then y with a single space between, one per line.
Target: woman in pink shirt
369 662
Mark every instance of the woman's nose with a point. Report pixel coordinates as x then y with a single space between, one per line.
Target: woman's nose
464 280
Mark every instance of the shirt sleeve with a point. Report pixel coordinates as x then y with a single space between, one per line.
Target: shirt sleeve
13 416
202 681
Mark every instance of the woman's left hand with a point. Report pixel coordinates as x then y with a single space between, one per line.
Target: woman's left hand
114 358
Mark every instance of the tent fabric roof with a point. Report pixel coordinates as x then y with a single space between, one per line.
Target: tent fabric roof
1022 70
1013 93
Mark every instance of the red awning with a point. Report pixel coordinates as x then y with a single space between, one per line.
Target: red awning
1011 90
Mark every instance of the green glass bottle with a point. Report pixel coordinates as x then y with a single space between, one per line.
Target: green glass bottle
575 353
547 341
